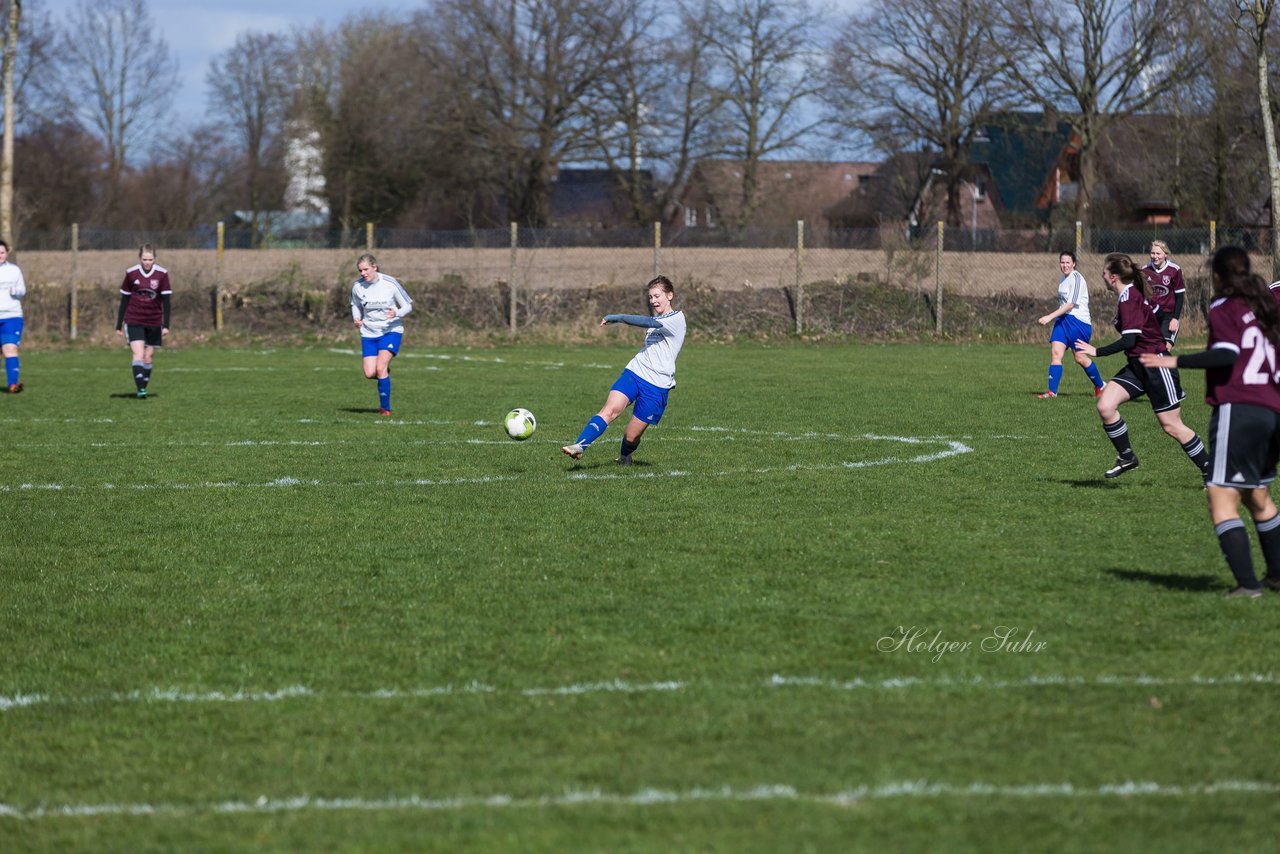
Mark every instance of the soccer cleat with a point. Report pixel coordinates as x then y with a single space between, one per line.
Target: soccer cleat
142 394
625 460
1122 465
14 388
1243 593
575 450
1097 390
384 411
1046 395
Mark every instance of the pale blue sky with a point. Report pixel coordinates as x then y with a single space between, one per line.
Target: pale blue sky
197 32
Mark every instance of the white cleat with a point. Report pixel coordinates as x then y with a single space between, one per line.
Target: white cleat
575 450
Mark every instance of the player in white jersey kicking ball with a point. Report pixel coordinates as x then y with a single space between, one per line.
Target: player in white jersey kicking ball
12 289
378 305
647 378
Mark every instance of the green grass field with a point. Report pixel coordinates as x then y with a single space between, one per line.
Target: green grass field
250 613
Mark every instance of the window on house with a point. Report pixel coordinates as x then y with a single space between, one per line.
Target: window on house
980 190
690 217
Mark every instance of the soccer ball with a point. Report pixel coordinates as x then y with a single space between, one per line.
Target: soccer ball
520 424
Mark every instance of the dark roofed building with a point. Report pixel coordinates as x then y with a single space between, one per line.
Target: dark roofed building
593 198
788 190
1029 156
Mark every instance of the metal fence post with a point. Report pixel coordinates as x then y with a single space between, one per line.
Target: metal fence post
1213 236
1079 237
217 277
511 283
799 276
937 281
73 303
657 249
368 237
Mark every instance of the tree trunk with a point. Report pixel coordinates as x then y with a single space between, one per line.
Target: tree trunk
1269 135
1084 191
6 156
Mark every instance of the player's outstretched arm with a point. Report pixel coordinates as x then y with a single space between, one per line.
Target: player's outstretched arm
632 320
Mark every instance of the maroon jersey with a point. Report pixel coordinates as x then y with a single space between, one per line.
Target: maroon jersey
1163 284
1252 379
144 291
1134 314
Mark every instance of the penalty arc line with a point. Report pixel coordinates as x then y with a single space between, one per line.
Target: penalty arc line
953 449
777 681
649 797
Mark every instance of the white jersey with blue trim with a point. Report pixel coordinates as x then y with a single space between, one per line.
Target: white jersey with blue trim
12 289
656 361
371 300
1073 289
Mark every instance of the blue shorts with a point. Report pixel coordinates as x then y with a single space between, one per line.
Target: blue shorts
650 400
389 341
11 330
1068 330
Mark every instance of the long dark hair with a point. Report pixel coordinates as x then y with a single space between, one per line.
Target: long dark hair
1233 278
1120 264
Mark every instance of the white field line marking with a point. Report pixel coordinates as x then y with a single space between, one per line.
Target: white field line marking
293 692
477 360
952 449
616 686
778 681
264 805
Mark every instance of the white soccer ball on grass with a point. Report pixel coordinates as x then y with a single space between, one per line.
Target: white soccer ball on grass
520 424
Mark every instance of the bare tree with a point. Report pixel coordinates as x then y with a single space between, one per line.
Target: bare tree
6 157
919 74
251 88
1095 60
770 75
532 72
1215 129
1254 17
659 109
373 110
117 77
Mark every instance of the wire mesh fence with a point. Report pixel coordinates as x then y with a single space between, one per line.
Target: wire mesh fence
808 277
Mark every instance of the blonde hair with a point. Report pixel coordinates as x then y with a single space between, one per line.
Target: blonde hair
1164 246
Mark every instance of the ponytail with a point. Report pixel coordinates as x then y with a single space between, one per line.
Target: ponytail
1120 264
1233 278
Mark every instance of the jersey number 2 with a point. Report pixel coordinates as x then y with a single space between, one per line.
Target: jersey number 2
1263 355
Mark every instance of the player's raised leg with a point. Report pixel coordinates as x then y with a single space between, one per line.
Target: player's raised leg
614 405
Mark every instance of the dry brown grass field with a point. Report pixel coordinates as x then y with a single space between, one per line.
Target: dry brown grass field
962 273
888 295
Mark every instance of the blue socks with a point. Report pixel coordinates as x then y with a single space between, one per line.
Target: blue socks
384 393
11 369
1055 377
592 431
1094 375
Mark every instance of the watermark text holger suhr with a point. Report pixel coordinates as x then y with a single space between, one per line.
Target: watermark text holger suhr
921 640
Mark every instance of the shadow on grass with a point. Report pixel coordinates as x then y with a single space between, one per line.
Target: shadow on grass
1168 580
1092 483
602 465
365 410
133 395
1039 391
